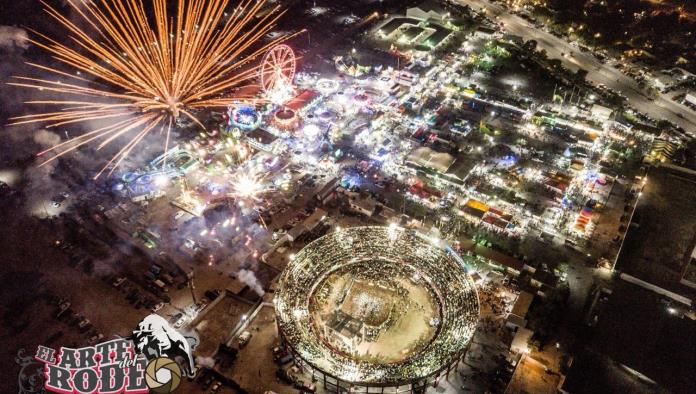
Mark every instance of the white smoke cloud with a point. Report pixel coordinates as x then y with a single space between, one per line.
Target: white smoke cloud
248 278
107 266
46 138
39 188
13 37
207 362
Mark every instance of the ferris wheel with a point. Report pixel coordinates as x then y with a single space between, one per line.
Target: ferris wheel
277 68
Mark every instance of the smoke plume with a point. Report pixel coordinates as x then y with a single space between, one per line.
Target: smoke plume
13 38
46 138
206 362
248 278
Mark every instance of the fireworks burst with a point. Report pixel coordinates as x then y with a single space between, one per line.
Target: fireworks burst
145 75
248 187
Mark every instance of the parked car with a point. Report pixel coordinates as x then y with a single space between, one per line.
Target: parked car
284 359
215 387
284 376
243 339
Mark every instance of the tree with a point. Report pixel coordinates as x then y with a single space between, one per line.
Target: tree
555 63
546 317
530 45
664 124
542 54
580 75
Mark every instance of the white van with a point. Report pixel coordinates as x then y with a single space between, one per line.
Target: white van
243 339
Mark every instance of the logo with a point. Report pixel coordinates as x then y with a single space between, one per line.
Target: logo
163 375
152 359
155 338
30 379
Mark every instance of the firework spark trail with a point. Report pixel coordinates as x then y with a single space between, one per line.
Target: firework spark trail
148 74
249 186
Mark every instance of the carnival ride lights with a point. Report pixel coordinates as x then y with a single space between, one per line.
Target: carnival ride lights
327 116
305 79
277 73
311 131
327 86
361 99
340 98
245 117
161 180
286 119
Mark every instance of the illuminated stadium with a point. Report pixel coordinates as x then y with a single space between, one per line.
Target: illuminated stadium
383 308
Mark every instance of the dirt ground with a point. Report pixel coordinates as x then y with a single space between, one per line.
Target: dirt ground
254 369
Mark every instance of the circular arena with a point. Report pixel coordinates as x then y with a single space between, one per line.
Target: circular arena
376 307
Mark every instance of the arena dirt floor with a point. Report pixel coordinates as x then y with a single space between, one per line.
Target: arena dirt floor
399 309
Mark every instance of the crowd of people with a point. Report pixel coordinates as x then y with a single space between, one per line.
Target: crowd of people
490 295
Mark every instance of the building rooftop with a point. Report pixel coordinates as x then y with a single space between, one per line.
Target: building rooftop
302 100
662 349
660 239
524 300
427 157
531 376
394 23
262 136
440 34
495 257
429 6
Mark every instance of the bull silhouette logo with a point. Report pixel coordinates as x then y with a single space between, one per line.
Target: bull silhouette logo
155 338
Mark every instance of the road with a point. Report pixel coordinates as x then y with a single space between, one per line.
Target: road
660 108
